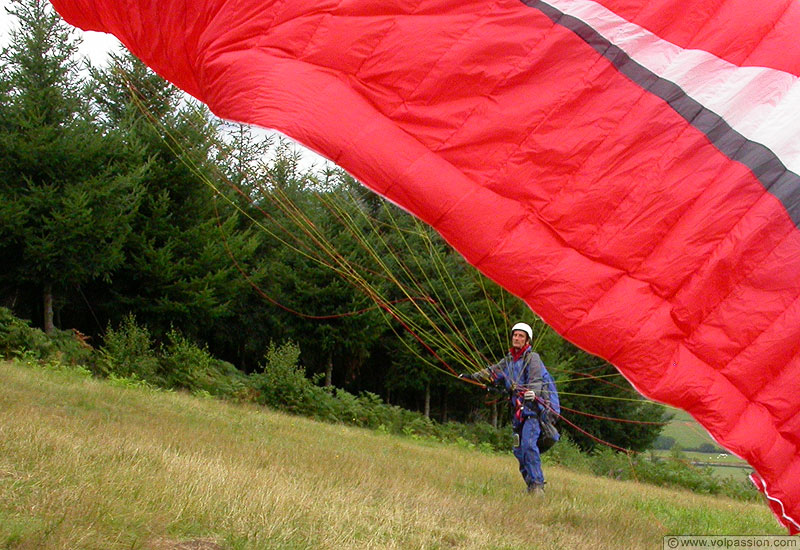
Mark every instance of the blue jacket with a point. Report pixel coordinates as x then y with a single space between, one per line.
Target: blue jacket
517 376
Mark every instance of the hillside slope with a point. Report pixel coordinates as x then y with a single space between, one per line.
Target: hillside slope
85 464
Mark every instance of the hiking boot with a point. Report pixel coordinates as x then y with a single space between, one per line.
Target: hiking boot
536 489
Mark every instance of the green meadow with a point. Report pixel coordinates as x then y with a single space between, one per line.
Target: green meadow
688 434
89 464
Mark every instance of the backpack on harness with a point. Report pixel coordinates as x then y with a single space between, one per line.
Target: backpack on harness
548 415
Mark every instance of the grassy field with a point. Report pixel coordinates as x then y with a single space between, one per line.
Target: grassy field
689 434
712 460
686 431
88 465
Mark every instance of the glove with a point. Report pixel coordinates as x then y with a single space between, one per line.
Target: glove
529 397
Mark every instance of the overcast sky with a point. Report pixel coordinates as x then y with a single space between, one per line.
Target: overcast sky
96 46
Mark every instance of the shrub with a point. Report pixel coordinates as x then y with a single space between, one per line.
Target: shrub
483 433
127 352
372 411
567 453
679 473
675 471
420 427
185 365
366 410
609 463
282 384
18 338
69 346
709 448
132 381
664 442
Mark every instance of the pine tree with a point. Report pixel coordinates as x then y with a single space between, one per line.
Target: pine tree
68 194
595 389
183 257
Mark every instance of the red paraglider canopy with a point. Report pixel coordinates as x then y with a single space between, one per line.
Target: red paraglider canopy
629 168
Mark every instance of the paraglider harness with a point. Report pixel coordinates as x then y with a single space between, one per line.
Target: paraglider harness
548 435
547 408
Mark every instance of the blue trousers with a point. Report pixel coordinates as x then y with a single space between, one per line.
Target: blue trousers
527 453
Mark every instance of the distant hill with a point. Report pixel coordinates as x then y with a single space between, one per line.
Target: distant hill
690 437
688 434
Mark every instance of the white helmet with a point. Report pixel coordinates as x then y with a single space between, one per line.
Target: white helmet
524 327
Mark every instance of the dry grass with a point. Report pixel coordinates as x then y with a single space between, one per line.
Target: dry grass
84 465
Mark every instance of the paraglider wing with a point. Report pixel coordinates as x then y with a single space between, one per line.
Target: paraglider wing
629 168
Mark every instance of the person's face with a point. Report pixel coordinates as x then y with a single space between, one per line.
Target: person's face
519 338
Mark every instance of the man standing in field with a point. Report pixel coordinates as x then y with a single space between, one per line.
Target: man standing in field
533 403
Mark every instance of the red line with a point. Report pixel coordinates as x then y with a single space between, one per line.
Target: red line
613 418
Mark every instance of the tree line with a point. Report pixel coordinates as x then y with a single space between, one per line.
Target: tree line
122 198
